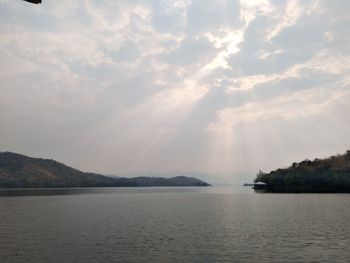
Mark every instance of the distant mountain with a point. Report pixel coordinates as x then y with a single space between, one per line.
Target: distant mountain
19 171
173 181
330 175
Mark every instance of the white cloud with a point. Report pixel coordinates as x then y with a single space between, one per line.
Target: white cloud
229 45
250 9
301 104
137 74
179 97
325 62
290 16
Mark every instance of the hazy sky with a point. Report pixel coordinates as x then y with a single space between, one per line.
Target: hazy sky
224 87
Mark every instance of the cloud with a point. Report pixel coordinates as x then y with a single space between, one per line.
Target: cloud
323 63
163 85
301 104
191 51
288 18
210 16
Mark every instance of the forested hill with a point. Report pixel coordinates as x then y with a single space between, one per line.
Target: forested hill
19 171
320 175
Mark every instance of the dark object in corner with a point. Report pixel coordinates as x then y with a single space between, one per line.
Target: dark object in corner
33 1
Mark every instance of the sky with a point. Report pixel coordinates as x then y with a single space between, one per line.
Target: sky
220 87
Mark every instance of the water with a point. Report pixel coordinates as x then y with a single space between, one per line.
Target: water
172 225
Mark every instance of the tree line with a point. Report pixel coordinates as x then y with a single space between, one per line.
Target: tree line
320 175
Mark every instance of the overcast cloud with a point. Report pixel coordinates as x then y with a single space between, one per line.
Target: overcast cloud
215 86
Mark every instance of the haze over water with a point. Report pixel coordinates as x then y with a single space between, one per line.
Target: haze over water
173 225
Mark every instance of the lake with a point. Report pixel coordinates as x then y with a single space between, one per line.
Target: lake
213 224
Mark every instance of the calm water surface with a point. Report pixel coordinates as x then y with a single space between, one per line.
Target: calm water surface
172 225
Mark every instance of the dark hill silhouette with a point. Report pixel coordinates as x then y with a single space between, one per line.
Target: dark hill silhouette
330 175
19 171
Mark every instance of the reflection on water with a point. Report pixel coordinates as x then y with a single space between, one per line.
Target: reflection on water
45 191
92 190
172 225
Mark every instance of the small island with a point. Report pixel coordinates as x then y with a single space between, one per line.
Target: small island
330 175
20 171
